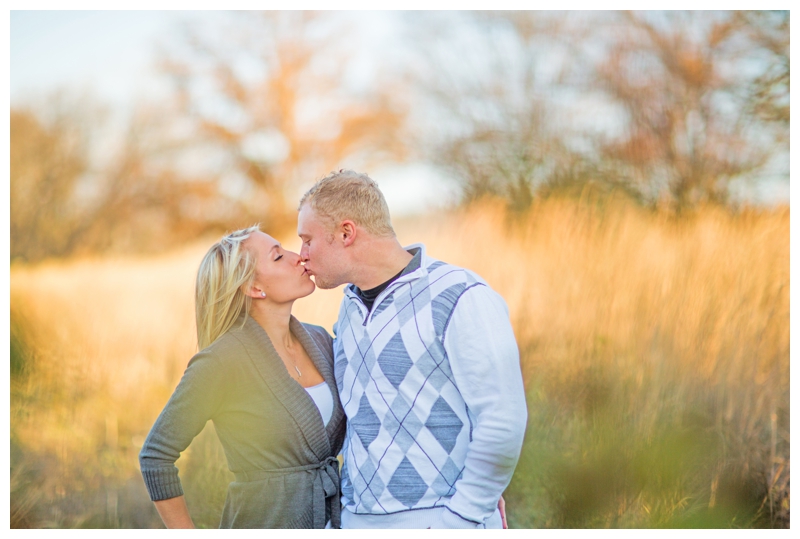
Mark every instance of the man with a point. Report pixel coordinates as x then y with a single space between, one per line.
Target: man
426 364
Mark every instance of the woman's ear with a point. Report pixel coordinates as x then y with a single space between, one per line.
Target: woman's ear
256 293
348 232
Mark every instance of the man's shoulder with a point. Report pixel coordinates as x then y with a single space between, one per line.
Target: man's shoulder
451 284
440 270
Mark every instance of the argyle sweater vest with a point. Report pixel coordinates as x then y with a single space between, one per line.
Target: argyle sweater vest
408 427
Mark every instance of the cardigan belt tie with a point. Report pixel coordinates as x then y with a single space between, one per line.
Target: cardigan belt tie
326 487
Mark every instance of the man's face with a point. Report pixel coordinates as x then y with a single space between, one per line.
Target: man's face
322 254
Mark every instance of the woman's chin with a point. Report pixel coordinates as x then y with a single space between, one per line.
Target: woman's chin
311 289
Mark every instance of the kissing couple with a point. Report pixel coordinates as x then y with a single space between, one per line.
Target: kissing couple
419 392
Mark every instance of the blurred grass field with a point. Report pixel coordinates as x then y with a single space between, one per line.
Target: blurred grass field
655 351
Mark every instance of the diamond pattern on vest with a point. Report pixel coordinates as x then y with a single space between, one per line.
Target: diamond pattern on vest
434 366
406 485
402 423
347 485
443 306
385 302
394 361
444 484
444 424
369 486
435 265
406 443
366 423
367 360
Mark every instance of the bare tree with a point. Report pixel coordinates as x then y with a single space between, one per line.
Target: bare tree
262 104
769 91
487 115
81 185
683 80
268 96
669 107
142 200
48 160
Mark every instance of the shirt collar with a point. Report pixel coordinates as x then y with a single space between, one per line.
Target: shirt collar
424 262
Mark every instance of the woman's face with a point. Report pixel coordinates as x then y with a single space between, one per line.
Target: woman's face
279 273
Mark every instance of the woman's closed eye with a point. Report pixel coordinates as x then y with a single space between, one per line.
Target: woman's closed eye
278 258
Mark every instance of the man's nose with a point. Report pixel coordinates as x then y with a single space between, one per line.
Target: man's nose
303 253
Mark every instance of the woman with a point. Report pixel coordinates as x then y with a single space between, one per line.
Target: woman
266 381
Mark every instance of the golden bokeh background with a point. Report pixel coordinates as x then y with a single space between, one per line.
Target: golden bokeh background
608 174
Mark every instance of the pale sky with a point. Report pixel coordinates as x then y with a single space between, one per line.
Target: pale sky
110 54
107 51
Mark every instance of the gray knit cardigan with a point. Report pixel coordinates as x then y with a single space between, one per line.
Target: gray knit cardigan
282 455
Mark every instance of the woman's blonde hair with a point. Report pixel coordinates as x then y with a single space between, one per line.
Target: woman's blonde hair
226 272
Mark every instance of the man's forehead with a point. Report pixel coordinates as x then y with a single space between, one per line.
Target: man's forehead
304 223
307 220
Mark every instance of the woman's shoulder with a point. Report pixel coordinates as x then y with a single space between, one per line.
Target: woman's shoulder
226 356
313 328
318 332
230 343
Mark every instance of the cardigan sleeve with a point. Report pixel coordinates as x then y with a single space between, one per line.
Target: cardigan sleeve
484 359
196 400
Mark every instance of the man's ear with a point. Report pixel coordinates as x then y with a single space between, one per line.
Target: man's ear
348 232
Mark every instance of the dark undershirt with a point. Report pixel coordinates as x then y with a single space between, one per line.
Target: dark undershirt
369 296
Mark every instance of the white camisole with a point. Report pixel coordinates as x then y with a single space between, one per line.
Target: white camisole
321 395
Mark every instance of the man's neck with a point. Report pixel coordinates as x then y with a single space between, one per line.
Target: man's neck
384 258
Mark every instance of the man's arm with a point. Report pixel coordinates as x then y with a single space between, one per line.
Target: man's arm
484 358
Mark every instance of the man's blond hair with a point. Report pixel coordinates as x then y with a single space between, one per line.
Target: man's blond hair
347 194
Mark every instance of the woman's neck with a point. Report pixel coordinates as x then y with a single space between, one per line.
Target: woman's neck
274 320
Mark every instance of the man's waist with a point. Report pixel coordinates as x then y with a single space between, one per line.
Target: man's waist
429 517
414 518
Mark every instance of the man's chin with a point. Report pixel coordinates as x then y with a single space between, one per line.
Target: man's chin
323 284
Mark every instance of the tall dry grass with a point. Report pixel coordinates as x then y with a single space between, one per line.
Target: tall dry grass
655 352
